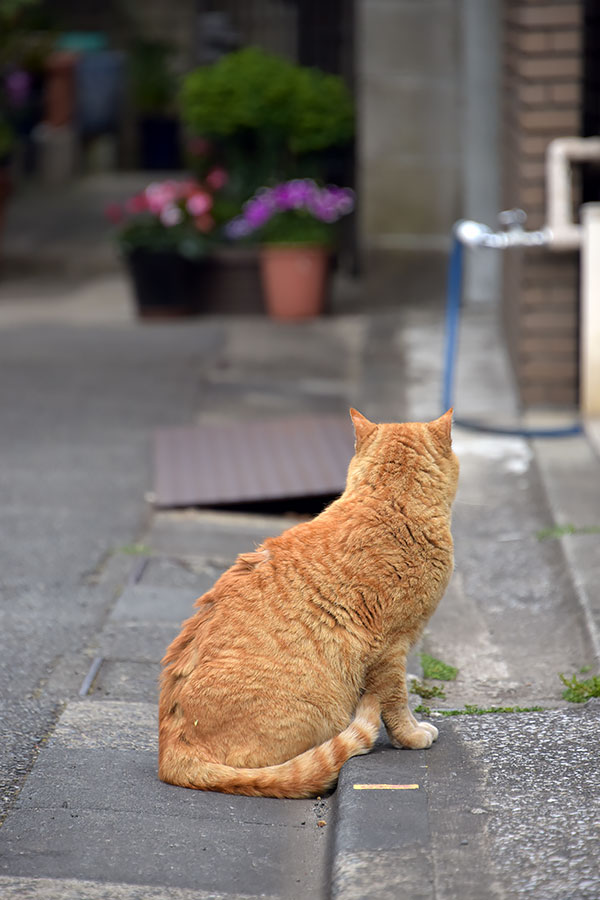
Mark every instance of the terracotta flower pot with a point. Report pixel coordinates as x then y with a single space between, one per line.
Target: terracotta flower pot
295 280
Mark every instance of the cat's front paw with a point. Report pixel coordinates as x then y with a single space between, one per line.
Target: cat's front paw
418 738
431 728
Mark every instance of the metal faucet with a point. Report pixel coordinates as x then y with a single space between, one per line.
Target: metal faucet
476 234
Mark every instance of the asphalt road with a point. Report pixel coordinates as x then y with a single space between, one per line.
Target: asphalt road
501 806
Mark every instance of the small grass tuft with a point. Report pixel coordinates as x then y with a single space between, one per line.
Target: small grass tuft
135 550
478 710
558 531
436 669
577 691
426 691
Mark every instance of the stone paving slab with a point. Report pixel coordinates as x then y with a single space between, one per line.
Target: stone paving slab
72 889
152 603
127 680
110 725
126 781
94 809
570 469
511 810
136 641
99 845
515 591
211 536
163 571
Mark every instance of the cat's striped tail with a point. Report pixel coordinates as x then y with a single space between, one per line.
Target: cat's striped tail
307 775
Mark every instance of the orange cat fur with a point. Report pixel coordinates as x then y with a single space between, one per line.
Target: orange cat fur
284 670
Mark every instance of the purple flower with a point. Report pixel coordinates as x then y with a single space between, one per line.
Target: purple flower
257 213
237 228
327 205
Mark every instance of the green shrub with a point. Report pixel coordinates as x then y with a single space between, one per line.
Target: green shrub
267 118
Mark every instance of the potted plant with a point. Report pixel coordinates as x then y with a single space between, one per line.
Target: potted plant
266 118
164 232
295 224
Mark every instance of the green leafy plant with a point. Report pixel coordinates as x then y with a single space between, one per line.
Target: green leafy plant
153 85
577 691
269 119
436 669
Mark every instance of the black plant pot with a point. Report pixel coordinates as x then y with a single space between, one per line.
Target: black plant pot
163 283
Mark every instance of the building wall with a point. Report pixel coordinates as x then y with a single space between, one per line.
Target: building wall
408 107
542 100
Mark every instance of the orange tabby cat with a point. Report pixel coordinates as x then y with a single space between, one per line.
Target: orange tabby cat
284 670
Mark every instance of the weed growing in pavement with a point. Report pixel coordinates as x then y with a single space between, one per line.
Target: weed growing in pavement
577 691
436 669
477 710
135 550
426 691
558 531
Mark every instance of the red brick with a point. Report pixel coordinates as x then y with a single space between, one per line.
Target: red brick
549 370
548 67
555 121
532 94
545 322
560 346
569 92
566 41
550 298
531 170
531 145
545 396
546 16
532 41
532 197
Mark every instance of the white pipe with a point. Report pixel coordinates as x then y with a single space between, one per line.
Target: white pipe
590 310
564 233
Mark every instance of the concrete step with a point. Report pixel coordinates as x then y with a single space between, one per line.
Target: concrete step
512 619
94 817
500 806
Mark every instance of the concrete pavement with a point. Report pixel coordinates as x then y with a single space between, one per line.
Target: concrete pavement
505 805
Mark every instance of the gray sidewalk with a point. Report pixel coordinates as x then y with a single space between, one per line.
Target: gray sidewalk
505 805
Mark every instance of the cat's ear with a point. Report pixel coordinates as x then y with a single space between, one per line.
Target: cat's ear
442 428
362 427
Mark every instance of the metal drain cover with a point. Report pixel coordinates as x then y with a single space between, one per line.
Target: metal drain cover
253 461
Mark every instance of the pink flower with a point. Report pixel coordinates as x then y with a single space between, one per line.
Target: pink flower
204 223
199 146
199 203
114 213
137 204
217 178
161 194
171 215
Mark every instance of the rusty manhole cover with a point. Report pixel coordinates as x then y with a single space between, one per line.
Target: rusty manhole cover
244 462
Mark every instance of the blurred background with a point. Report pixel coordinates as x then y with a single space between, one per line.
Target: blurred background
453 104
178 178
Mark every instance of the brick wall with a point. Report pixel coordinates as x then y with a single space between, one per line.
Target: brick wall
542 92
